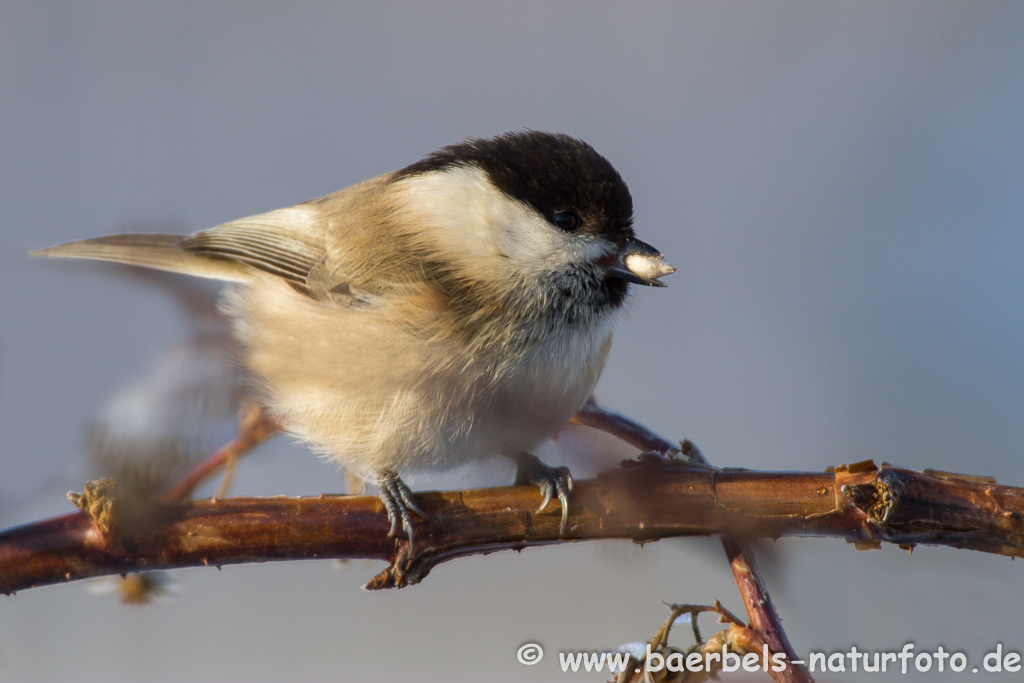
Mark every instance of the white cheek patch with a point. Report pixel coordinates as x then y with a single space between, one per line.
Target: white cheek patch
467 220
523 235
449 210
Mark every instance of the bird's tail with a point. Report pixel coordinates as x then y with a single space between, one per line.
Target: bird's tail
159 251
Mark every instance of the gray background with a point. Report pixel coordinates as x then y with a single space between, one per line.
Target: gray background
840 186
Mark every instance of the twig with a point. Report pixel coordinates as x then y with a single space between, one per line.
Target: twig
758 603
255 426
737 636
760 609
618 425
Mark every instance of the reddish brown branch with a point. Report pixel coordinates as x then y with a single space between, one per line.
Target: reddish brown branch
625 428
758 603
761 610
643 501
254 427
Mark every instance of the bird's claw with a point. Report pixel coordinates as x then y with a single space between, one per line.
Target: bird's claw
552 481
398 502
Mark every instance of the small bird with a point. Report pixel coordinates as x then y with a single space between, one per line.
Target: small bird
457 308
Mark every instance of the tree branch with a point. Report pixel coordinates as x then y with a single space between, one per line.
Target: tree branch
643 501
760 609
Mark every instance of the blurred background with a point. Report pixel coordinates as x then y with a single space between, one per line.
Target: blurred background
840 186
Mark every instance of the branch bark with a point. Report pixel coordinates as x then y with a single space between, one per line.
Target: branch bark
643 501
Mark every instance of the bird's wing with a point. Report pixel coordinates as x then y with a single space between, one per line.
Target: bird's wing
284 243
330 249
287 243
159 251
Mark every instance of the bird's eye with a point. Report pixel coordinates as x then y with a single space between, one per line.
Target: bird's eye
567 220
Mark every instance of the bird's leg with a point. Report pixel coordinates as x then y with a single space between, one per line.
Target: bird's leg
398 502
552 481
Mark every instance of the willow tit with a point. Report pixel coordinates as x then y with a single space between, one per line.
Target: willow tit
457 308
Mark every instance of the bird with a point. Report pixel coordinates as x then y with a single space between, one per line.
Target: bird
457 308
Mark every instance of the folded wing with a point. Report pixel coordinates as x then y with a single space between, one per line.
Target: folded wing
284 243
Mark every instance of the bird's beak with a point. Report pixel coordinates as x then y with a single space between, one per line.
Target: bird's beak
639 263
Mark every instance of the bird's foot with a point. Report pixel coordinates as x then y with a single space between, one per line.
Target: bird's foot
552 481
398 502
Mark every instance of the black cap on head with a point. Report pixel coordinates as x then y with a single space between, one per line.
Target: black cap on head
551 172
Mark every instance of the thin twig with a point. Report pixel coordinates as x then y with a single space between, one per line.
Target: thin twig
760 609
625 428
255 426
